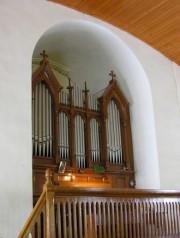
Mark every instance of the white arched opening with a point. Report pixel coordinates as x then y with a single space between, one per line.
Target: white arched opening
90 52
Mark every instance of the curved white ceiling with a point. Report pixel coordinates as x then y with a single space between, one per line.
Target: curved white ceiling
88 50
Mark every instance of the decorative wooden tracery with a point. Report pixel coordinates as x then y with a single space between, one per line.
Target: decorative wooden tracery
84 132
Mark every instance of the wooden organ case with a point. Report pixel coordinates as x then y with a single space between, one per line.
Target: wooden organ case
92 136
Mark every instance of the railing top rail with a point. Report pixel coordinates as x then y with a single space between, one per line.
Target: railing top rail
110 192
35 211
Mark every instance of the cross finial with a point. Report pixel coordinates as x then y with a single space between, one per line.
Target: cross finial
85 90
44 55
112 74
70 87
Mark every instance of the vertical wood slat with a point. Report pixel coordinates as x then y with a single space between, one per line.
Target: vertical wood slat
64 220
144 218
168 219
134 220
69 220
39 227
162 215
117 219
129 219
85 219
99 220
172 218
90 227
104 219
121 220
94 219
112 219
175 218
75 223
125 212
80 219
178 217
59 220
108 219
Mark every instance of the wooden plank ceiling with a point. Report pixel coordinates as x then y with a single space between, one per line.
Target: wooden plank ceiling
156 22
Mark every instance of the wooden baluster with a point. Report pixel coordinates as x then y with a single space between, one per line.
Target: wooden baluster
172 218
90 231
87 220
129 210
125 219
134 220
39 227
169 218
178 216
155 219
75 223
138 219
69 220
122 219
64 219
108 219
80 219
112 218
144 218
117 219
104 219
162 218
99 220
175 219
59 212
159 218
94 220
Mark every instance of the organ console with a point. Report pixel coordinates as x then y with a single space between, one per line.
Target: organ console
81 129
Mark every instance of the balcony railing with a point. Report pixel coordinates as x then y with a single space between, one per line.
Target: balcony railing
79 212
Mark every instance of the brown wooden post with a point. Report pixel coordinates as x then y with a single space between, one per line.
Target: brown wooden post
104 152
56 134
87 129
71 126
50 216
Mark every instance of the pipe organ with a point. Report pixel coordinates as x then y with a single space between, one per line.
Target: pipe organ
76 127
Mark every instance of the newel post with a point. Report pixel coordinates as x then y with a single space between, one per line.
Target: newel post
50 216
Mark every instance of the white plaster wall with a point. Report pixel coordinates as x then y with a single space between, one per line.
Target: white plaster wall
164 79
21 24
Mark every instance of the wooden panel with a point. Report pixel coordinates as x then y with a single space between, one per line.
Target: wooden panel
155 22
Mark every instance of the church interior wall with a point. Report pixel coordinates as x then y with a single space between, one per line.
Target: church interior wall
22 24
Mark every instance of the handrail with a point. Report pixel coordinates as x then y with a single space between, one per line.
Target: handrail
28 227
113 192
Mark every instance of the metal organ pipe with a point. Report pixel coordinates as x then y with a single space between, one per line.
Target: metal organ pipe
47 123
64 97
42 121
114 134
63 136
79 142
95 149
36 120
